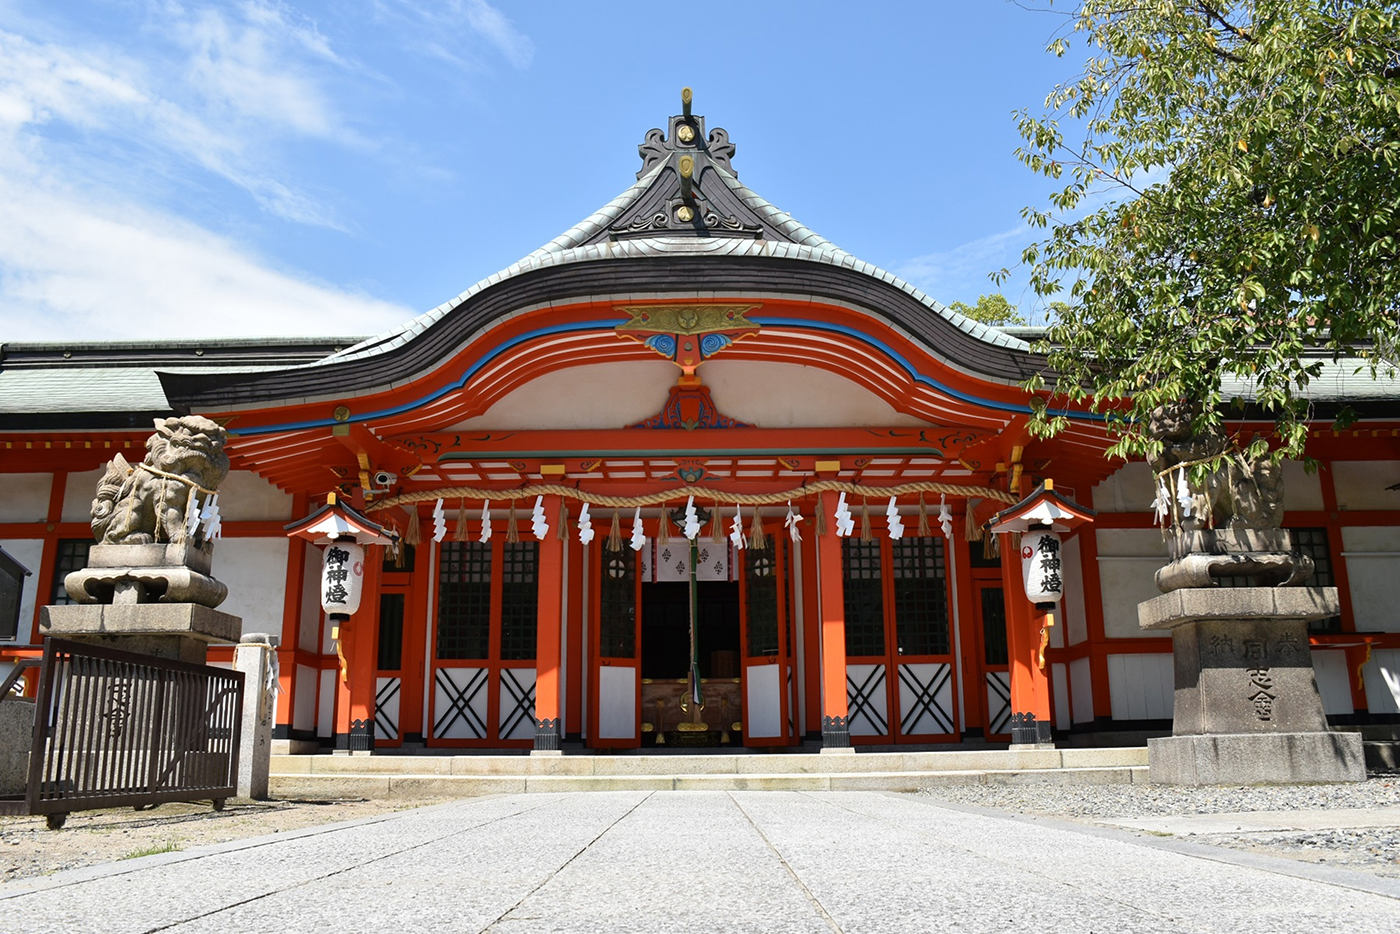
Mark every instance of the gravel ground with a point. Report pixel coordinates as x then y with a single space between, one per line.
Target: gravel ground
1145 800
1376 851
28 848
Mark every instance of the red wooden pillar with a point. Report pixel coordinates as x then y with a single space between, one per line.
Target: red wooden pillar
549 636
836 732
359 643
1030 688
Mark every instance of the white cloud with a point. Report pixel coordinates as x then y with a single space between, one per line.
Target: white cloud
255 66
105 141
123 107
90 135
961 273
456 22
69 269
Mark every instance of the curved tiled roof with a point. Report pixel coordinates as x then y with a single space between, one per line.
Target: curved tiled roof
581 244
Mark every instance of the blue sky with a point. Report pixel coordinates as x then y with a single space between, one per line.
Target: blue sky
192 169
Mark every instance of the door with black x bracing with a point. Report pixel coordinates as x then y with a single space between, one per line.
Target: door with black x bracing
899 658
485 644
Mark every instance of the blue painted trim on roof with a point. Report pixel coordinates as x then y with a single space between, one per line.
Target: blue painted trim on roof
610 324
909 368
438 394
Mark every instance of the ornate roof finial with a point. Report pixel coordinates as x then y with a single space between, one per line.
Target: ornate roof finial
687 135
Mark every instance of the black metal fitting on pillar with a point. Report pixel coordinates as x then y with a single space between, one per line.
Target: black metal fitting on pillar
836 733
547 734
361 737
1026 730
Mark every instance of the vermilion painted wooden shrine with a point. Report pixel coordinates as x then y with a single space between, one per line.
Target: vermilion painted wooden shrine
687 344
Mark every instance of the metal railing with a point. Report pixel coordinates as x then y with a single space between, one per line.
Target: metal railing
117 729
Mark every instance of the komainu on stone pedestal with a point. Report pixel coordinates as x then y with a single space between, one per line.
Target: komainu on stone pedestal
158 499
1246 709
148 584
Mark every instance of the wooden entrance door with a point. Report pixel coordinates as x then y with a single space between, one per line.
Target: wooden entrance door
900 678
615 684
989 605
766 671
484 644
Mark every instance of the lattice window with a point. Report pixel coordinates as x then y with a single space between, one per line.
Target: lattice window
920 596
617 622
994 626
72 556
761 568
1313 543
865 599
520 598
390 631
464 600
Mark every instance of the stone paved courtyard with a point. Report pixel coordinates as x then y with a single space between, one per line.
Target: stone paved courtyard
704 861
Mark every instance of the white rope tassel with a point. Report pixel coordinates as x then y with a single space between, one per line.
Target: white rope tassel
736 530
639 535
692 519
845 523
1161 507
485 522
209 515
439 522
539 525
793 518
892 520
945 517
1183 493
585 526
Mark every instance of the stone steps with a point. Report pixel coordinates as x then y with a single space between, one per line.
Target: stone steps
422 776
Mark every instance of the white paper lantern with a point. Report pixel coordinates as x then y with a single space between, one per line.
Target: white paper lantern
1041 568
342 578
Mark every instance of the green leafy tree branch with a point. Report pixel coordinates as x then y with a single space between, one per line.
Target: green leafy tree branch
1228 209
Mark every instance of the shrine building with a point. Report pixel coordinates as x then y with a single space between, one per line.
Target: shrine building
535 443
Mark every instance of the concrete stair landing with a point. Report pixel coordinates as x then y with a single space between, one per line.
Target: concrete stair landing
446 775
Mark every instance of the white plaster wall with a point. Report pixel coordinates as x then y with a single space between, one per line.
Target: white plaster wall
1382 676
1372 554
1128 489
309 632
1059 680
245 496
1081 691
1302 491
1330 670
304 710
789 395
1140 687
24 497
30 553
1076 624
79 490
1362 484
325 708
595 395
255 570
611 395
1128 559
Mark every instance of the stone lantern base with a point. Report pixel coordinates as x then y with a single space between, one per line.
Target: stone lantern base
153 599
1246 707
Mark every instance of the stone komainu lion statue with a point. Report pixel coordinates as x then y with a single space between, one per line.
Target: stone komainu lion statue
1242 493
149 502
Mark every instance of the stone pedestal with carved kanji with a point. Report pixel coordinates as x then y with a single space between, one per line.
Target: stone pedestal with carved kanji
156 599
1246 705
